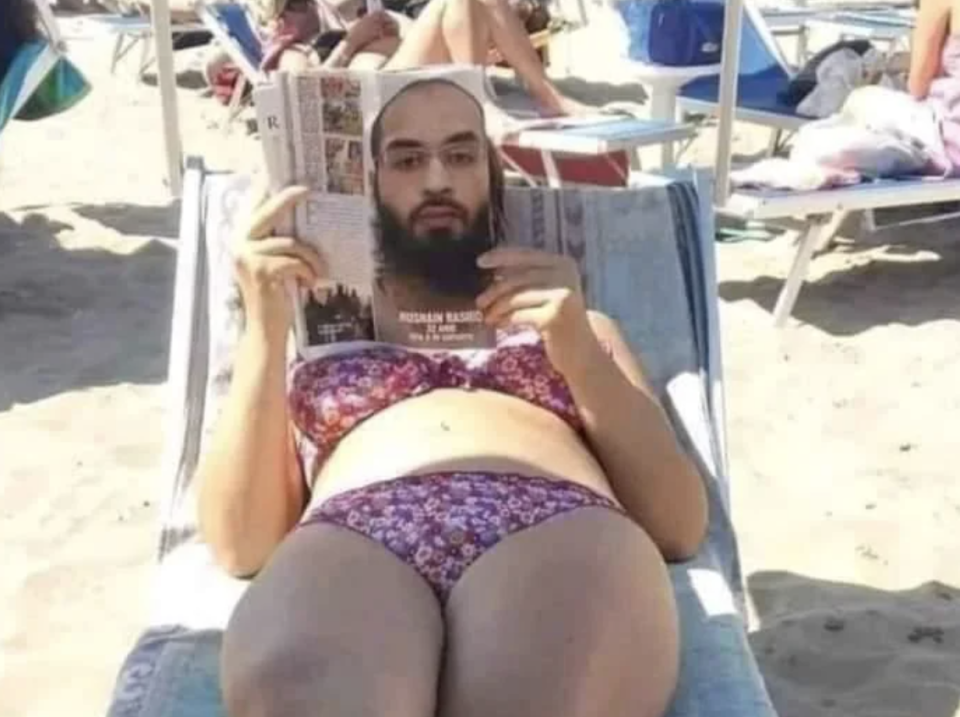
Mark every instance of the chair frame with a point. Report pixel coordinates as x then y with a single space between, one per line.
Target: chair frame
777 122
133 30
250 75
824 211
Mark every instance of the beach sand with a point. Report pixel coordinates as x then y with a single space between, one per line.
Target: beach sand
840 427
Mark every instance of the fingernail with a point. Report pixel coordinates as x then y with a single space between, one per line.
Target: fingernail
483 261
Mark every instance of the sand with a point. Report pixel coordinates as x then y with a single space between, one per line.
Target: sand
841 428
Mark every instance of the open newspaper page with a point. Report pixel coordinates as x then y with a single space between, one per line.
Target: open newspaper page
399 206
431 208
326 127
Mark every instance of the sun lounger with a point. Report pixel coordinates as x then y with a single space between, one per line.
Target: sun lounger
136 30
891 27
649 263
763 73
887 22
235 30
596 153
825 210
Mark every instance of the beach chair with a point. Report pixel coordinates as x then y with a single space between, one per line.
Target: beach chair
40 81
763 73
135 29
647 257
890 27
825 210
235 30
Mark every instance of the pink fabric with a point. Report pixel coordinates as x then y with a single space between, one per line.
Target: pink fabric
439 524
330 396
944 97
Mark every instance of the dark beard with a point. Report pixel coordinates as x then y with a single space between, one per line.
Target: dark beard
446 262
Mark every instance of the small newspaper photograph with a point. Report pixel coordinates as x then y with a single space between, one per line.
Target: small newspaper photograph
327 145
400 206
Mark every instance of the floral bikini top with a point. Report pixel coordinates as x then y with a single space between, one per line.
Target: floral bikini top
330 396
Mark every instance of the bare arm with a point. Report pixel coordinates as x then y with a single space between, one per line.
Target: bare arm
929 35
625 424
251 492
631 435
361 34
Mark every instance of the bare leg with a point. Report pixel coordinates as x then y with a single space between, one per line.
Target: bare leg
463 31
375 55
298 58
334 625
572 618
423 42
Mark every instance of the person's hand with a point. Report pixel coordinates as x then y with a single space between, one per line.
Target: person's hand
266 263
370 28
541 290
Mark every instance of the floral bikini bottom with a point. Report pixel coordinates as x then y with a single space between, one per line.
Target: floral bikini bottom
440 523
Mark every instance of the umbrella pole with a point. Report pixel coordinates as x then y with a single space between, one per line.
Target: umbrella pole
163 45
729 66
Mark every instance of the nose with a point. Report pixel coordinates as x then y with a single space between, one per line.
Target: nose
438 178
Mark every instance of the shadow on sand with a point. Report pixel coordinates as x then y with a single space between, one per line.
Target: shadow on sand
134 220
78 318
885 290
840 650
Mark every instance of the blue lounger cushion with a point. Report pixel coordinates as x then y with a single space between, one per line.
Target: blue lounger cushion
647 256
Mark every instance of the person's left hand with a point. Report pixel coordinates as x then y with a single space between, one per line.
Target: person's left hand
541 290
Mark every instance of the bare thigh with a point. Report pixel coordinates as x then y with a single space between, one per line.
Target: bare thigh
334 625
375 55
423 42
574 617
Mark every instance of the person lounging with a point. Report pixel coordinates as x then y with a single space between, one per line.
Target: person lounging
479 532
313 33
881 132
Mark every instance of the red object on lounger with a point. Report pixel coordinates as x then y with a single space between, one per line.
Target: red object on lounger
611 169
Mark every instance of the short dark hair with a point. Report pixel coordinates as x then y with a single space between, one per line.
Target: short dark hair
494 166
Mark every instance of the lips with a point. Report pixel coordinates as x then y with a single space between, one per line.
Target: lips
439 216
437 212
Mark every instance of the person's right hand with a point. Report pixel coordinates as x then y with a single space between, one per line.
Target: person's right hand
265 264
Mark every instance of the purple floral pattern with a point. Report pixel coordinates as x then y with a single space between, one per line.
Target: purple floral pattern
332 395
440 523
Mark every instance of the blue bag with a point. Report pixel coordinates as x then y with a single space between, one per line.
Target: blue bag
678 33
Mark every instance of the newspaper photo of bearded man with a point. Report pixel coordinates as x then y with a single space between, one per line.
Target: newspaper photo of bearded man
438 205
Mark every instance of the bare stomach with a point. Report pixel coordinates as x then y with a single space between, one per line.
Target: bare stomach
455 430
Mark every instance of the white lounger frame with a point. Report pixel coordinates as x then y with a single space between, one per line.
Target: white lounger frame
249 73
824 212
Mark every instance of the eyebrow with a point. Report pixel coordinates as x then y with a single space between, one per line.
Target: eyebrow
458 138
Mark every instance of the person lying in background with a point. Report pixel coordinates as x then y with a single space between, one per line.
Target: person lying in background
19 24
882 132
314 33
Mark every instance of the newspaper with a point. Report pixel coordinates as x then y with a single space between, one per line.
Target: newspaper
371 220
